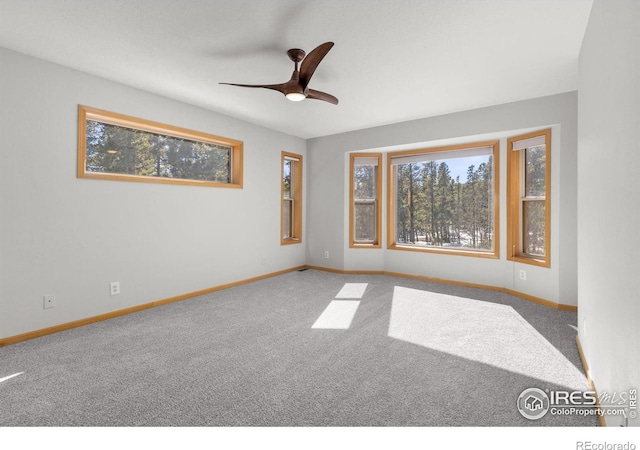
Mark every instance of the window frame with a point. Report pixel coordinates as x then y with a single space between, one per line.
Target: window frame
377 201
295 199
516 199
86 113
391 201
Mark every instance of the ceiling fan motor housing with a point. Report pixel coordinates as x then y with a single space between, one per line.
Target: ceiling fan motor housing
296 55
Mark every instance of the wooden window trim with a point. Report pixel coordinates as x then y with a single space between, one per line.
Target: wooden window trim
296 187
391 202
515 180
378 202
87 113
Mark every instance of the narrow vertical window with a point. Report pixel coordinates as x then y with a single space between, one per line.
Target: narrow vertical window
529 214
291 229
365 212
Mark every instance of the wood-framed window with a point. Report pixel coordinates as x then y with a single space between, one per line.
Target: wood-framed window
445 200
529 198
291 227
113 146
365 213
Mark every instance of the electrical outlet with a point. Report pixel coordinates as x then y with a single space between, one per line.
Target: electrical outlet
523 274
49 301
326 254
115 288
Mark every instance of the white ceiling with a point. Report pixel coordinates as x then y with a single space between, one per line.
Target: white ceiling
392 61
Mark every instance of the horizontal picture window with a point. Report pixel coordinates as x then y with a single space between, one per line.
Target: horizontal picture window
117 147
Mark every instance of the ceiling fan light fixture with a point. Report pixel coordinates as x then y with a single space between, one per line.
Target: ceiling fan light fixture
295 96
297 88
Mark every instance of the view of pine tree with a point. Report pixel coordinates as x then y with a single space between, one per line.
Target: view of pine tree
122 150
287 199
534 205
435 209
364 194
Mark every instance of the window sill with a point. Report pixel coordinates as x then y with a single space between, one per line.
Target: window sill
364 245
290 241
153 179
530 260
446 251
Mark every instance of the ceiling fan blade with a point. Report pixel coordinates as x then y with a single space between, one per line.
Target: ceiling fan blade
311 61
274 87
317 95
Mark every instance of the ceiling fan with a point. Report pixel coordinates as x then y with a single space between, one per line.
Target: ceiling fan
297 88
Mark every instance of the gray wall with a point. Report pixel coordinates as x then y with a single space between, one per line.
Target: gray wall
71 237
609 188
327 209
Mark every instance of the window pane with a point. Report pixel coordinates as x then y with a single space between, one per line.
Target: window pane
287 215
446 203
121 150
535 164
291 223
365 221
364 179
533 218
286 180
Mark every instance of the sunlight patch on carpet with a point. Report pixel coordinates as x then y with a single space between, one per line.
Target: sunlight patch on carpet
480 331
338 315
10 376
352 290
